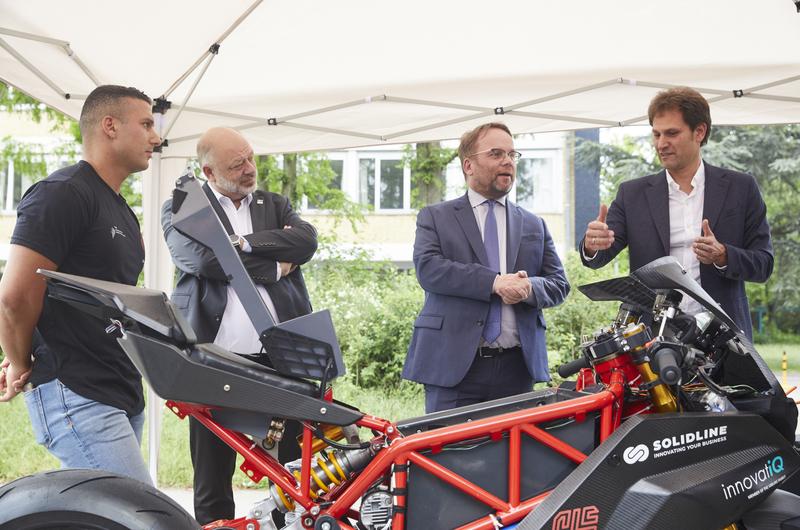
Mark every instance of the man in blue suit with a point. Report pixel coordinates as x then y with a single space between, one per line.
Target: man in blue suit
488 268
713 220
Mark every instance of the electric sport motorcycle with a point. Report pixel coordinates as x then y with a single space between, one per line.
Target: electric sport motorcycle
672 421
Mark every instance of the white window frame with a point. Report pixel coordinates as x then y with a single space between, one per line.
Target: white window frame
557 157
389 157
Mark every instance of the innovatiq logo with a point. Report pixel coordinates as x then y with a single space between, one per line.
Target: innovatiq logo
756 482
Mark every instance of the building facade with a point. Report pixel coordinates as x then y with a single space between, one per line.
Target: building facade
374 177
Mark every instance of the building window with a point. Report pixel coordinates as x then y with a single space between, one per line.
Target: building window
338 167
539 183
335 184
391 179
391 185
366 181
12 186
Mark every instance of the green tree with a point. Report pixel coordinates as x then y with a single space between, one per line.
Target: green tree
772 155
631 157
29 158
428 163
308 175
14 101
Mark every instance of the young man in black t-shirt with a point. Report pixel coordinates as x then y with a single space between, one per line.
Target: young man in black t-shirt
84 396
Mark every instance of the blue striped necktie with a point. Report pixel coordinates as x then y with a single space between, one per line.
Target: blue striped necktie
492 328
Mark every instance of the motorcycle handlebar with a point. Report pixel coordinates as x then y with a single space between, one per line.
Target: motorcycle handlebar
666 362
573 367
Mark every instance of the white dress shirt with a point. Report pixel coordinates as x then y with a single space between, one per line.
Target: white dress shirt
236 332
509 335
686 225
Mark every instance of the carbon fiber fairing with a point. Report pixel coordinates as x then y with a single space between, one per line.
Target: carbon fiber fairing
666 471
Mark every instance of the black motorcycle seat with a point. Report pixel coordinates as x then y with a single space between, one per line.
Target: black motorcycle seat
213 356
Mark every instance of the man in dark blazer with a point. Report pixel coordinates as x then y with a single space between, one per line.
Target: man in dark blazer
488 268
713 220
272 241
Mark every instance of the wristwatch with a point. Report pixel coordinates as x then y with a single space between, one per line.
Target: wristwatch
236 240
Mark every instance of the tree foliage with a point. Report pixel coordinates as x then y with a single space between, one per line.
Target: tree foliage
632 157
772 155
428 163
16 102
373 306
32 159
309 175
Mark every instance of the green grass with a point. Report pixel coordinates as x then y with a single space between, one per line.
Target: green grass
773 353
20 455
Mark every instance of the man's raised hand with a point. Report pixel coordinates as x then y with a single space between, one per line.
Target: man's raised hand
598 236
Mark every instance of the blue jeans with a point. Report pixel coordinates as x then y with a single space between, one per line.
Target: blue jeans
83 433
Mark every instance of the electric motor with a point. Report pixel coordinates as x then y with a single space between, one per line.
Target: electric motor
376 510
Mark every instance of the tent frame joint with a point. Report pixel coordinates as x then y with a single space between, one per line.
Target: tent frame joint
161 105
164 143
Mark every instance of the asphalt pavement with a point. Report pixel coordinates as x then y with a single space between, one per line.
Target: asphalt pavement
244 498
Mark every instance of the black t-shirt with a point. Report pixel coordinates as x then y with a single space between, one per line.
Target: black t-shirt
76 220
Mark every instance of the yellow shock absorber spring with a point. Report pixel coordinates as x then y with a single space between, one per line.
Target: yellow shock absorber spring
326 472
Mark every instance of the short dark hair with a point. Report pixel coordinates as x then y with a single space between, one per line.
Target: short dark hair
470 138
692 105
105 100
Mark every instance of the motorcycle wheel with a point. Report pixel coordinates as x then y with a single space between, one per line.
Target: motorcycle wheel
88 499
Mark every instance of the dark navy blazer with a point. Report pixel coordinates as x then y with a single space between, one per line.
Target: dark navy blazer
453 269
736 213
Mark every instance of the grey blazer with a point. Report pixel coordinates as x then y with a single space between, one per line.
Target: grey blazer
201 291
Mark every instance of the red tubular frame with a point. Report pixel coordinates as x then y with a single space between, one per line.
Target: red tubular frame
401 451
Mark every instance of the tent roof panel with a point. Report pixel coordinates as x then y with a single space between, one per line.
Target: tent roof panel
289 57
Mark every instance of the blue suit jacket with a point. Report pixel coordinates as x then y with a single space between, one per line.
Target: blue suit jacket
453 269
639 217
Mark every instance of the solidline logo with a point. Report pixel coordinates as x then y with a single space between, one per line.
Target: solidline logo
755 480
678 443
637 453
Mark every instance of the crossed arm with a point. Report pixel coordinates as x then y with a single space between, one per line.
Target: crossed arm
293 244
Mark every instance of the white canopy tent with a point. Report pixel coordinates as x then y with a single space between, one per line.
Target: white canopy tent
297 75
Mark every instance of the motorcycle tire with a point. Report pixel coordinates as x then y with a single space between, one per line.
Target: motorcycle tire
88 499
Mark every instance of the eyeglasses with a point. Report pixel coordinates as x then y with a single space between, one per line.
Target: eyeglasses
499 154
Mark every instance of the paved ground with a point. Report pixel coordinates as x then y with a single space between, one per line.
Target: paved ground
244 499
